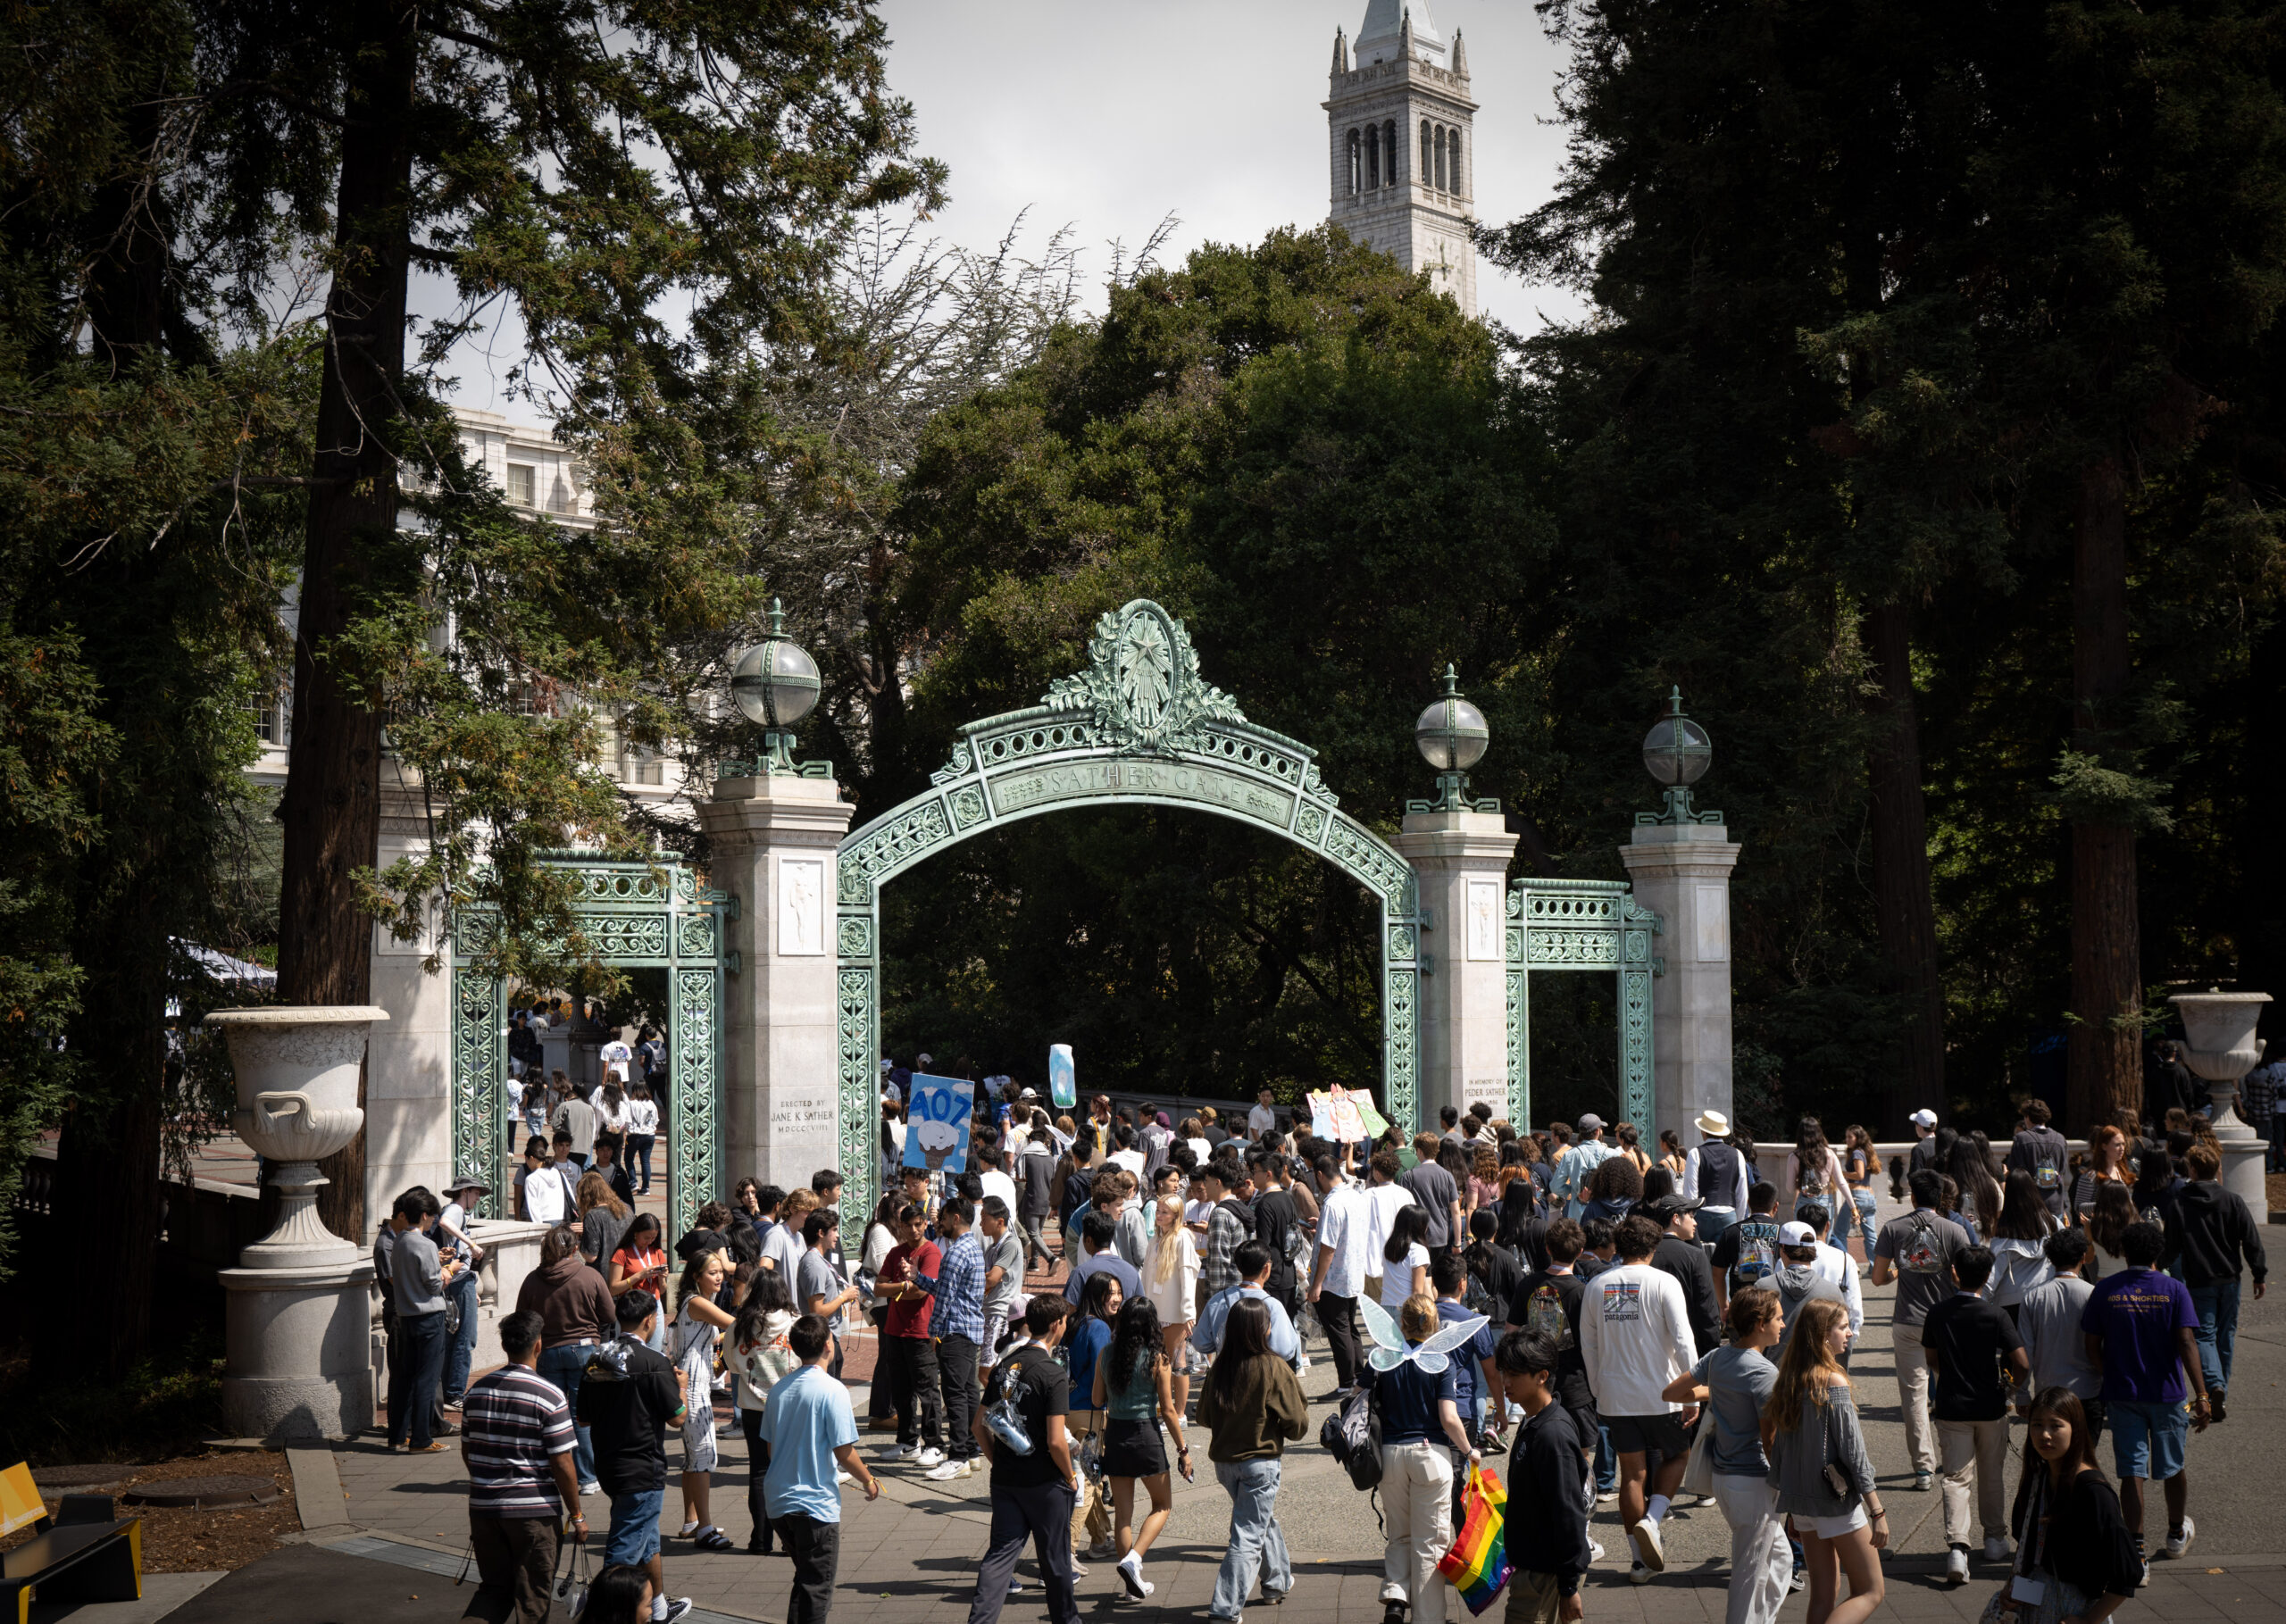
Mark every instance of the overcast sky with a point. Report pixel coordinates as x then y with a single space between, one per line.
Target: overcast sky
1108 115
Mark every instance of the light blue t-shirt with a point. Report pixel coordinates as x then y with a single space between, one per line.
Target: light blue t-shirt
807 1419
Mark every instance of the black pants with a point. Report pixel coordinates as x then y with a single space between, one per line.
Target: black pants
1041 1515
957 1357
1339 1316
914 1381
400 1377
415 1377
816 1549
758 1463
515 1567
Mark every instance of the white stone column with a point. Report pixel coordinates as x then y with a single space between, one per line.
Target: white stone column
1461 859
1682 873
773 839
409 1063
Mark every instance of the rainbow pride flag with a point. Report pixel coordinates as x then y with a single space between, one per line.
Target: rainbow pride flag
1478 1563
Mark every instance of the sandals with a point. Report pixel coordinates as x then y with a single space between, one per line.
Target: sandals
714 1539
688 1530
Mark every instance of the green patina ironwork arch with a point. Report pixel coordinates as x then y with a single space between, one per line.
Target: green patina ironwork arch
1582 924
640 915
1137 726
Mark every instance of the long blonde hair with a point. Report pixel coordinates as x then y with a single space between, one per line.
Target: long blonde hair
1807 1369
1168 1256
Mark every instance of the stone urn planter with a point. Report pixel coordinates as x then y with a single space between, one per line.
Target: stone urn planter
297 1071
2220 1046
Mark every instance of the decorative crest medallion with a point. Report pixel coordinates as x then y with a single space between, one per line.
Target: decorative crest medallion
1141 687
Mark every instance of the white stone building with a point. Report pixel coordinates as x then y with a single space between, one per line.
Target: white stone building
1401 146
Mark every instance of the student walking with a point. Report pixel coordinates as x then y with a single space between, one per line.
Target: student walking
517 1443
1422 1436
628 1396
2019 1243
1035 1489
957 1286
759 1356
2071 1538
2211 1238
906 1348
2049 1320
699 1323
2143 1330
811 1434
1251 1405
1337 1275
1135 1390
1635 1339
1917 1252
1171 1278
1086 1340
1547 1530
1974 1349
1809 1425
1735 1383
2044 1156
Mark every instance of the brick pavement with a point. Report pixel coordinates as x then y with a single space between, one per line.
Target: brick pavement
909 1555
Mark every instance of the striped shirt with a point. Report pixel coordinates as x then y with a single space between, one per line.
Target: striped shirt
512 1422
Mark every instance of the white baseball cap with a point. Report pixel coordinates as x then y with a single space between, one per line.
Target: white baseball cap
1923 1118
1796 1234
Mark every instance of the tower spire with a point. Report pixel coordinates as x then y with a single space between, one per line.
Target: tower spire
1341 52
1404 38
1460 57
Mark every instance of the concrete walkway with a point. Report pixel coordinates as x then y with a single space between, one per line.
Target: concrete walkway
911 1555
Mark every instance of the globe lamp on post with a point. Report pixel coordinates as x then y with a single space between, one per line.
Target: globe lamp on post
1677 754
776 685
1452 737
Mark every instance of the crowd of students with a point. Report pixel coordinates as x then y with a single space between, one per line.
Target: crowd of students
1604 1310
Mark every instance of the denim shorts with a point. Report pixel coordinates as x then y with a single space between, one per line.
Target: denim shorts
634 1536
2147 1440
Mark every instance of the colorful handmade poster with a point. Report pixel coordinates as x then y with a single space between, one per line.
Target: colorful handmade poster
1375 1123
1348 1127
1322 1115
1063 1077
937 1119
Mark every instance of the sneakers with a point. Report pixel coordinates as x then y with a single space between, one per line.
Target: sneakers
1923 1481
676 1608
949 1472
1131 1574
841 1477
929 1455
1607 1497
2214 1407
1956 1565
1799 1579
1649 1549
1102 1551
1595 1551
896 1452
1996 1548
1638 1574
2179 1540
590 1487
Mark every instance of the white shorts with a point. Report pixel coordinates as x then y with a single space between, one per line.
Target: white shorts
1834 1527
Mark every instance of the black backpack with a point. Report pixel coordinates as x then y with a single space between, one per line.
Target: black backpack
1352 1435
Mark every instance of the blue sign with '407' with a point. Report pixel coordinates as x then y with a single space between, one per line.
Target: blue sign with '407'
936 1122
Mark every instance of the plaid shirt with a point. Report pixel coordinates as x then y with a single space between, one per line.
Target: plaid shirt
1225 1236
958 1286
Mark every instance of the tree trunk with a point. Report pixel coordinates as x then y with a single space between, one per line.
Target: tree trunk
331 807
2105 1054
1904 915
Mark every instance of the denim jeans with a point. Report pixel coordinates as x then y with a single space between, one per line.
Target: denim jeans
1257 1544
412 1412
1868 1205
562 1365
1713 1222
462 1352
1607 1461
2218 1331
638 1156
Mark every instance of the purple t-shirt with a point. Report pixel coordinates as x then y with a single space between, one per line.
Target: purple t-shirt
2138 1312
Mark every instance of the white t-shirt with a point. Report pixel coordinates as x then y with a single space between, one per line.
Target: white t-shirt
783 1246
997 1183
1345 1224
1396 1279
1635 1339
1131 1160
1386 1200
616 1056
1201 1149
1194 1213
1833 1264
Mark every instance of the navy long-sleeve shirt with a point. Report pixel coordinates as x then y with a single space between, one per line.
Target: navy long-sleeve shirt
1547 1528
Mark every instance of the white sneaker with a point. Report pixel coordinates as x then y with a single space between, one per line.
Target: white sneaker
896 1452
590 1487
1649 1549
1639 1574
929 1455
1607 1497
947 1472
1595 1551
1996 1548
841 1477
1956 1565
1131 1574
2177 1543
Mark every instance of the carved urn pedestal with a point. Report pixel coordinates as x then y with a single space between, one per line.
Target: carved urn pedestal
298 1358
2221 1047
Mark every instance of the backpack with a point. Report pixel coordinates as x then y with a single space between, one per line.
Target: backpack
1544 1312
1812 1180
1353 1438
1920 1254
1757 1253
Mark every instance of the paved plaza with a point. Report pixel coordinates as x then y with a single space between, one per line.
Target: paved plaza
910 1555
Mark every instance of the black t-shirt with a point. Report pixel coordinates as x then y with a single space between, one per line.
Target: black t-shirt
1748 1251
1687 1261
1274 1218
1971 1338
1044 1388
629 1402
1549 1304
1496 1269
